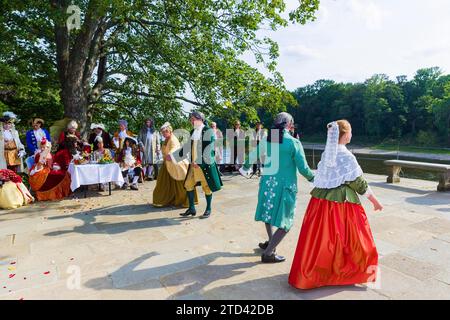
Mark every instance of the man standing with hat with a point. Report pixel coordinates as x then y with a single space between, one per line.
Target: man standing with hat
98 131
35 135
119 138
202 168
12 150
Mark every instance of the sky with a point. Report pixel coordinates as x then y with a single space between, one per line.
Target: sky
351 40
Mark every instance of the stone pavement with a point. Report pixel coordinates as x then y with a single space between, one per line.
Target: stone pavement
120 247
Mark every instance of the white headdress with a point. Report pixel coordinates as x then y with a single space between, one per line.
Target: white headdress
72 125
332 144
166 125
338 165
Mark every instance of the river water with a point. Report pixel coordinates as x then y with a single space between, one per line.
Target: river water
374 164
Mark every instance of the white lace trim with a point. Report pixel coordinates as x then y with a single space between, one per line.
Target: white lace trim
346 169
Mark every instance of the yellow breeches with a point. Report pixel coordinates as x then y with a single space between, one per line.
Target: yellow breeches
194 176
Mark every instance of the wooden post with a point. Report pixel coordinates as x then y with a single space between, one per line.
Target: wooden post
444 182
394 177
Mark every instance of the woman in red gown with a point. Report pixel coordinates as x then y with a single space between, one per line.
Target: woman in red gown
47 179
336 246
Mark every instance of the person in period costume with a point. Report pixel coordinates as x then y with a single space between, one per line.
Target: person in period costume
72 132
336 246
13 193
202 168
119 138
238 145
169 190
283 156
72 150
99 131
130 163
218 147
100 154
12 151
258 136
150 143
35 135
47 179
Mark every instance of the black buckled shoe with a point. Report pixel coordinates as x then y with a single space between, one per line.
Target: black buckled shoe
263 245
188 213
272 258
206 214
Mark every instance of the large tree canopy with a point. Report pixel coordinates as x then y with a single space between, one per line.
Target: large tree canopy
140 57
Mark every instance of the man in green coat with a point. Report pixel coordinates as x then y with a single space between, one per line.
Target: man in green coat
277 196
202 168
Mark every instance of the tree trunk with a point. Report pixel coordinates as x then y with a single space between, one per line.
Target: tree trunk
75 103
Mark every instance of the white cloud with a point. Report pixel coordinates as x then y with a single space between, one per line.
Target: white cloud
369 12
301 52
353 39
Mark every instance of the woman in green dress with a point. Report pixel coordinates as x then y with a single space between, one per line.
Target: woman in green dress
169 190
282 157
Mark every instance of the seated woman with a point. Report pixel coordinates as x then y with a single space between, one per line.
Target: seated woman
13 193
169 190
71 150
130 163
47 179
101 153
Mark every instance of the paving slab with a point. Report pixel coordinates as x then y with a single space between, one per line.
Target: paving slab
121 247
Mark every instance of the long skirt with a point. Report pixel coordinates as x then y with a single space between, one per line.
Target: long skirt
335 247
50 185
170 192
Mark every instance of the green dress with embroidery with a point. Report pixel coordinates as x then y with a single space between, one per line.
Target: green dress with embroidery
278 184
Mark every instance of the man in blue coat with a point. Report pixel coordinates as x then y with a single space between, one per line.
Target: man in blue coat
35 135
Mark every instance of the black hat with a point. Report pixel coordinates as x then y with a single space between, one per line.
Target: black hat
198 115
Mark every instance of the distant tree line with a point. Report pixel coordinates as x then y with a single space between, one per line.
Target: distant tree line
415 111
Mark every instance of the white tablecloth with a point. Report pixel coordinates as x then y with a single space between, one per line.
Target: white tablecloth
87 174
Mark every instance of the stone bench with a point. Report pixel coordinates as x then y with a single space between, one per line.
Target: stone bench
442 169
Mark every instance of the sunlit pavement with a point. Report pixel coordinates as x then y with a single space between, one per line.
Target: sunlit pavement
120 247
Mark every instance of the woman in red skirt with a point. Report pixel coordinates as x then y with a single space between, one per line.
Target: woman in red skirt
336 246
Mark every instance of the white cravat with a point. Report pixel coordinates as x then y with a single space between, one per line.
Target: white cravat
197 134
7 134
39 134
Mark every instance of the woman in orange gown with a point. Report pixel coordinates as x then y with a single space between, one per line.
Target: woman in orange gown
47 179
336 246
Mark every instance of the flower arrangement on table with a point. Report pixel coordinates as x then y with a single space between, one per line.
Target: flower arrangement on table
106 159
83 159
9 175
